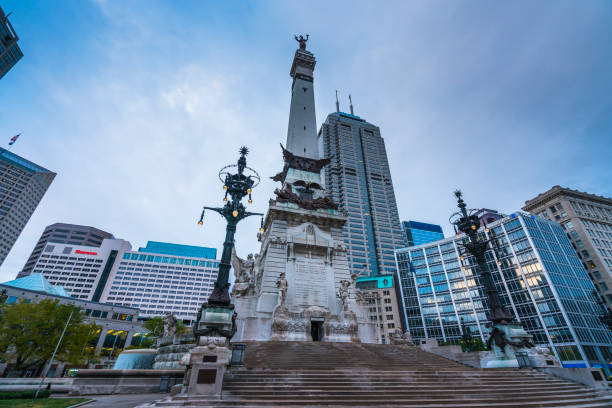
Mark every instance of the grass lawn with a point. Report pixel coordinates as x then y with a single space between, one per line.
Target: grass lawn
42 403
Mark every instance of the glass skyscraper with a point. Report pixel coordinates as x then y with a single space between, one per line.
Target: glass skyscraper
538 275
22 186
358 178
418 233
10 52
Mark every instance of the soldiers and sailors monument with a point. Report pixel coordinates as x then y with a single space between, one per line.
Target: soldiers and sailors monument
299 287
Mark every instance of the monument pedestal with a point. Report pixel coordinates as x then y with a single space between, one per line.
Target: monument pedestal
299 286
207 364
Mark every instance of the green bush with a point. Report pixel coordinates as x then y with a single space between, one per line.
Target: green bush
475 344
24 394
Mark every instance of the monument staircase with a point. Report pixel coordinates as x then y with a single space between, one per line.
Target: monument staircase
298 374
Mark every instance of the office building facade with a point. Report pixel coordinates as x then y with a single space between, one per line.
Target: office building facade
358 178
418 233
160 281
587 221
22 186
10 52
156 281
380 295
61 233
540 279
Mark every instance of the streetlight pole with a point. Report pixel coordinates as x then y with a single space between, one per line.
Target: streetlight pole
468 224
214 314
505 331
53 356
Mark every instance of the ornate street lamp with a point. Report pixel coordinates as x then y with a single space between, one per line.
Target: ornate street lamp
467 221
217 316
505 331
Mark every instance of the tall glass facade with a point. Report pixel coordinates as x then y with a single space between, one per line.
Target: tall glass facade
22 185
538 275
418 233
10 52
359 179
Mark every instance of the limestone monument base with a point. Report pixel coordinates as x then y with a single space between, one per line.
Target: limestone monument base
299 287
206 366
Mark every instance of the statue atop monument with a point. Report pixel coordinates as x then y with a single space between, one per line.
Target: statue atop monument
302 41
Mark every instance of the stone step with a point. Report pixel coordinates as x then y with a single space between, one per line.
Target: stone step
399 379
297 374
474 388
422 385
405 403
323 394
391 374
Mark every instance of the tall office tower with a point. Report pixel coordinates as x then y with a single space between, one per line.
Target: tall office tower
539 278
358 178
587 221
418 233
22 186
60 233
160 278
10 52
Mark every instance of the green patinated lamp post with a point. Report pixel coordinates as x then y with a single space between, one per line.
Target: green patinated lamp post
506 335
216 316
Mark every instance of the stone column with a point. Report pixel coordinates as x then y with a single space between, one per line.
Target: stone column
128 338
101 339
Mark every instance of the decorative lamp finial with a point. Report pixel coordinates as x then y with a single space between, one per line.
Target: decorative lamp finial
242 160
461 203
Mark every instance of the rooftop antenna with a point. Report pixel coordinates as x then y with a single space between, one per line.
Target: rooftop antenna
337 103
351 102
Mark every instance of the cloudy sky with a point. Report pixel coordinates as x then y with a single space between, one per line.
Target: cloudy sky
137 104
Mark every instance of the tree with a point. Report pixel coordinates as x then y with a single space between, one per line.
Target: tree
29 333
156 326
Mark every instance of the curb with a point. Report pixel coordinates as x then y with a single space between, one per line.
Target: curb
80 404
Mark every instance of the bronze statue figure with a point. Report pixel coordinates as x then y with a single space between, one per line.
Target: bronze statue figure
302 41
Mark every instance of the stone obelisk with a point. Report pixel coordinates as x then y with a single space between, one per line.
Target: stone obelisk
299 288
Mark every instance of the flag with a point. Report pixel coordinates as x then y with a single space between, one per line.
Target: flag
14 139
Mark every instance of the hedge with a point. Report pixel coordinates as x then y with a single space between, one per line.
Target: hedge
24 394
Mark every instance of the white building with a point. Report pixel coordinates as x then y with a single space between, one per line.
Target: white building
158 279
